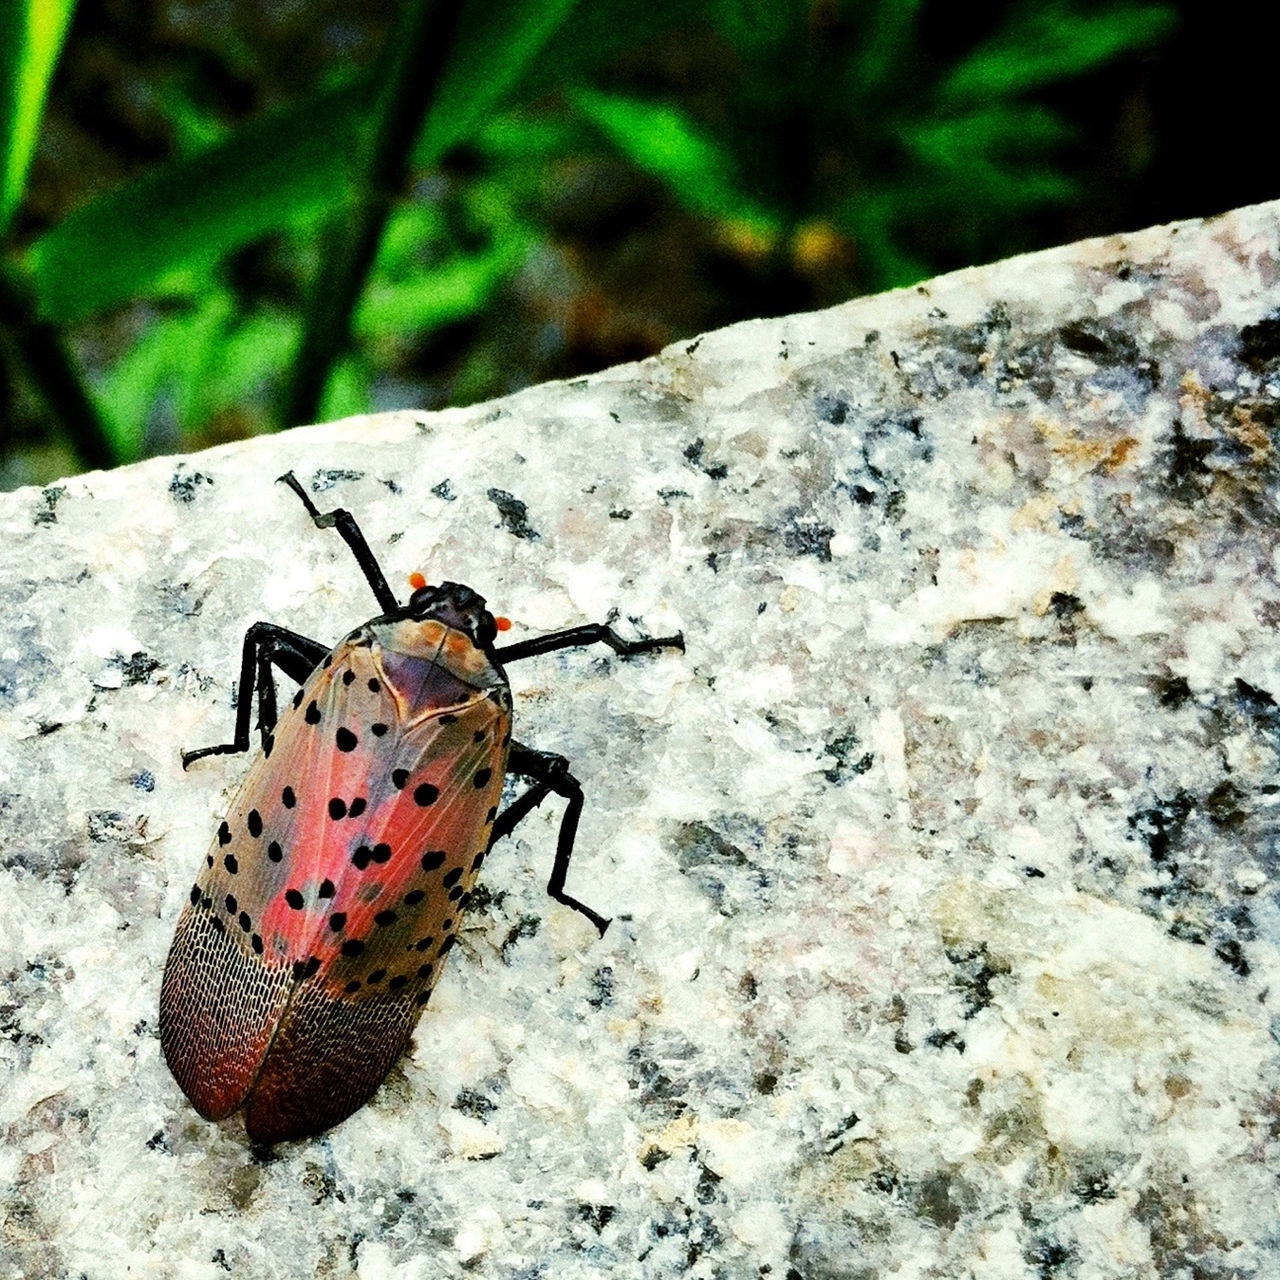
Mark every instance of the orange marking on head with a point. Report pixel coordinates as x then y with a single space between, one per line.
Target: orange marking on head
417 581
457 643
502 624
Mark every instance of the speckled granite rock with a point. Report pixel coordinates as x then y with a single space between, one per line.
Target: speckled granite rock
944 863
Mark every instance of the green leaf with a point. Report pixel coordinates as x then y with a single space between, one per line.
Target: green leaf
438 295
663 142
1008 129
281 171
599 32
1051 42
496 44
159 372
886 46
347 391
31 36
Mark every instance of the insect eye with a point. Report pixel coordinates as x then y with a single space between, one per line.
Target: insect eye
502 624
417 581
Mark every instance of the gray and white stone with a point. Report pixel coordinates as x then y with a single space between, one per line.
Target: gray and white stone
944 863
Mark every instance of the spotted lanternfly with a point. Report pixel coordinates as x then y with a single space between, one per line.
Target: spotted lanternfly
325 909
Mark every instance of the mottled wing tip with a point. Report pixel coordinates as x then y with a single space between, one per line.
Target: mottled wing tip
218 1010
326 1062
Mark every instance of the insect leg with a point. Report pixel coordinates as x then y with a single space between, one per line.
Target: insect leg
550 776
345 523
265 645
576 637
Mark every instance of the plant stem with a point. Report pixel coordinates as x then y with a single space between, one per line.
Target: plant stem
54 372
407 79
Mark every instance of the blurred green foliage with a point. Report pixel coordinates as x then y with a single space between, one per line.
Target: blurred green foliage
303 262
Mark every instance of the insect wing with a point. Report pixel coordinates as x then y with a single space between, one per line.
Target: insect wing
331 895
391 844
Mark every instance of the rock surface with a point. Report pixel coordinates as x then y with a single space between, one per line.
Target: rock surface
944 863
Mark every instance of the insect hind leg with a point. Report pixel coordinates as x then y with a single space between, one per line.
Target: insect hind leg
265 645
345 523
549 775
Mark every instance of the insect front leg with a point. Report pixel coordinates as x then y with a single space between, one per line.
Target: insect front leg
265 645
345 523
577 637
550 775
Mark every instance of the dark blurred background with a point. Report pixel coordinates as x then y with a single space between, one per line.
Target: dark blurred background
220 217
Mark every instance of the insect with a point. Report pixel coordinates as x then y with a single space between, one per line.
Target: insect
325 909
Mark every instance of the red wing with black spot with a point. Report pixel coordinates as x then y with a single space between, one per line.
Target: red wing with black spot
333 890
